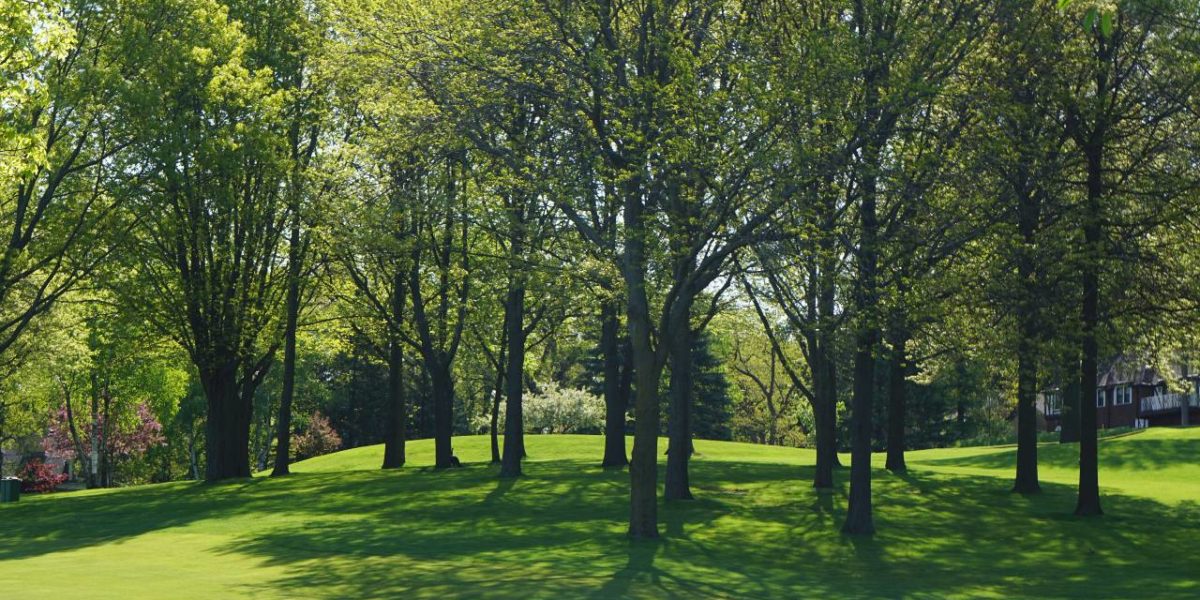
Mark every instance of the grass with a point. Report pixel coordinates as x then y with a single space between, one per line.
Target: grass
340 527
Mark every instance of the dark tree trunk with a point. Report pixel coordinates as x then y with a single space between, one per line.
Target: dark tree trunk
859 519
679 429
897 398
1027 455
497 391
643 466
1089 480
825 412
1027 316
826 307
614 402
393 444
514 423
443 415
1069 415
227 431
283 435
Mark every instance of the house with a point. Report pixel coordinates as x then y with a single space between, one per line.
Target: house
14 461
1131 393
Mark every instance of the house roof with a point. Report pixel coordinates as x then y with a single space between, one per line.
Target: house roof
1124 370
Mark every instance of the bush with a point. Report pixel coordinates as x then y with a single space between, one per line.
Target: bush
38 477
316 439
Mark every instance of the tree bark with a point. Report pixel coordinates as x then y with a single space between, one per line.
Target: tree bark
859 519
897 398
227 430
1069 415
497 390
283 442
443 414
1027 315
643 467
514 423
614 402
396 433
1089 480
679 430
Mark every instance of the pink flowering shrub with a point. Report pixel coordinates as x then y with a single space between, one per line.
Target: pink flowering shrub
316 439
122 441
38 477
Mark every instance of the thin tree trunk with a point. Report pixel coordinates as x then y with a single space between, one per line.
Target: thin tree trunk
1027 453
443 415
1089 480
643 466
679 430
393 448
826 392
514 423
897 398
614 402
497 392
1069 415
859 519
283 435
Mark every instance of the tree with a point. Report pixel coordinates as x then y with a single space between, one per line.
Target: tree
1119 92
212 154
63 72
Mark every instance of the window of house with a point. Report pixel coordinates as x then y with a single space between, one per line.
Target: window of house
1124 395
1100 398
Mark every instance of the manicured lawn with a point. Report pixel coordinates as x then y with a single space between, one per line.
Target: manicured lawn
342 528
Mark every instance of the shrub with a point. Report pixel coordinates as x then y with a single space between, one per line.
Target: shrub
316 439
555 410
38 477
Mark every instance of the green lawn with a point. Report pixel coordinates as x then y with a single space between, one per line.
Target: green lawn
342 528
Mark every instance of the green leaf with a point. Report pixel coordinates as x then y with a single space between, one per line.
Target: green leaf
1106 24
1089 19
1062 4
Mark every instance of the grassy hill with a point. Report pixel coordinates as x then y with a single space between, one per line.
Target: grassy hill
340 527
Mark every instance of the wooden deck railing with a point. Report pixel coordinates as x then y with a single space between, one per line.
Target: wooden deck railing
1167 402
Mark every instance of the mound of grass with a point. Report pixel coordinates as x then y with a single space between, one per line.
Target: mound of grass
339 527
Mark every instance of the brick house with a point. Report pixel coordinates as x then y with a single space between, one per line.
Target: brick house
1130 393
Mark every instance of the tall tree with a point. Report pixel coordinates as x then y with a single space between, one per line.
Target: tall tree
209 208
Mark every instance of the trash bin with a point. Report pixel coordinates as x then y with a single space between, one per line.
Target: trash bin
10 489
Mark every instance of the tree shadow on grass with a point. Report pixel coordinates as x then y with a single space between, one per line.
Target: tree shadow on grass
755 530
1121 452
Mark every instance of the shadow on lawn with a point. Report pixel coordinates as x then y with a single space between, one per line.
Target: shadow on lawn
754 531
1132 453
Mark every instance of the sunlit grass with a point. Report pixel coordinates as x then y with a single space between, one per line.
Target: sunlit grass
340 527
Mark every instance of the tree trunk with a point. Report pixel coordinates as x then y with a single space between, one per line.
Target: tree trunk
514 423
393 447
859 519
643 467
227 430
1089 480
614 402
897 399
443 415
679 429
1069 415
283 436
497 391
1027 452
825 375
